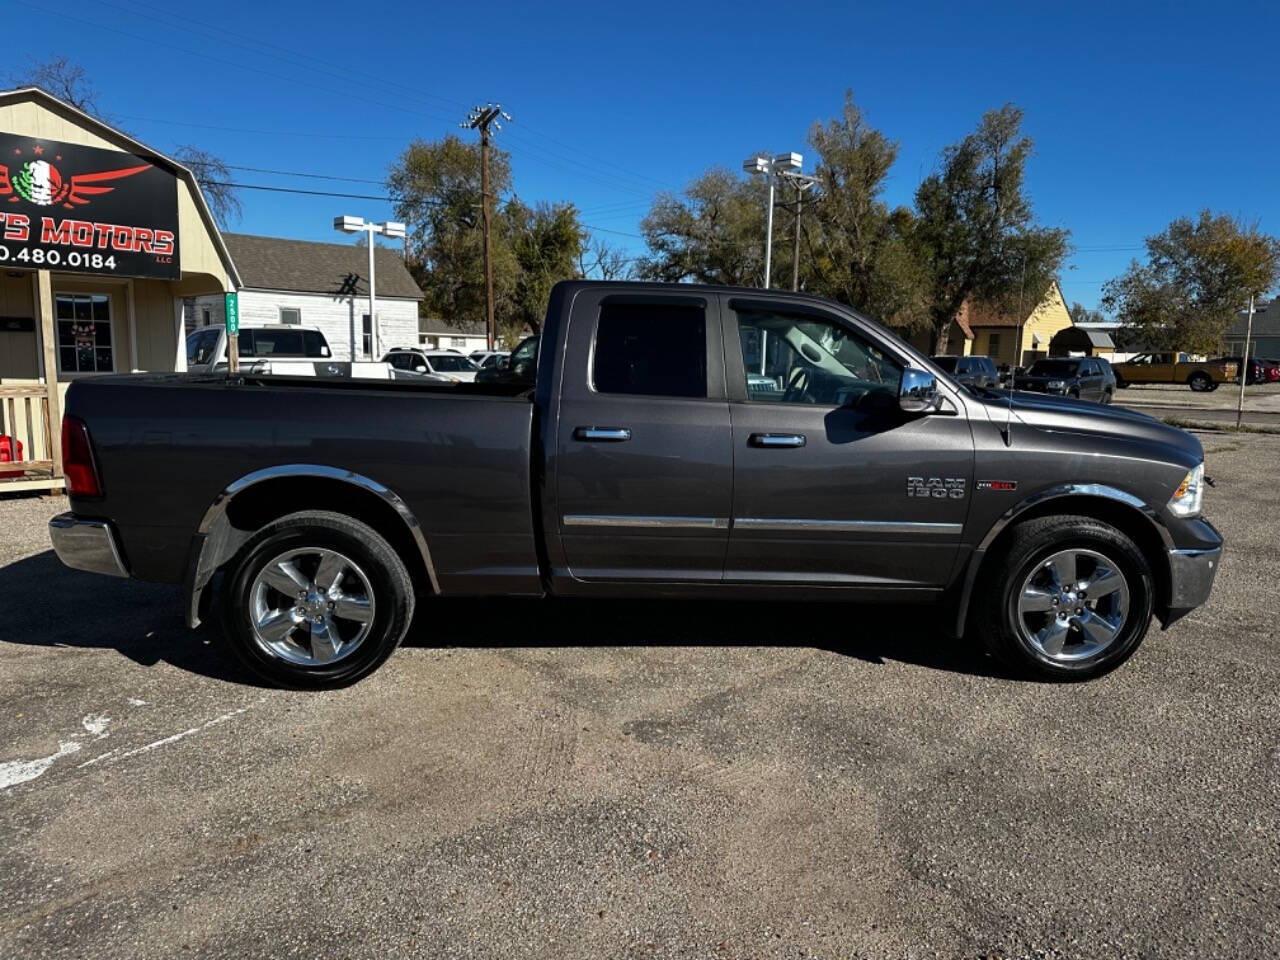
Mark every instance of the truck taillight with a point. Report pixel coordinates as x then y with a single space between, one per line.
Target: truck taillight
77 460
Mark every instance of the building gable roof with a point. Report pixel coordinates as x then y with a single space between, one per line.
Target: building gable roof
332 269
986 315
137 147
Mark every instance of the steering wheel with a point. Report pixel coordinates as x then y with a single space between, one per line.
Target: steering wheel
797 387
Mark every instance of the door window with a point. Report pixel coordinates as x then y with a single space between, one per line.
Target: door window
200 346
797 358
84 333
656 349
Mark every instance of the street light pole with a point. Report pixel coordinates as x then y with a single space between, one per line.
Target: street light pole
391 229
771 168
1244 374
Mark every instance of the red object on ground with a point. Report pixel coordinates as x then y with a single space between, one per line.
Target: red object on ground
10 449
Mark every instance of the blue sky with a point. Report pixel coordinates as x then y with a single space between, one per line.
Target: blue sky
1139 113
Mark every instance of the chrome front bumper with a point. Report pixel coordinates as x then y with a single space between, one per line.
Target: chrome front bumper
1191 576
86 545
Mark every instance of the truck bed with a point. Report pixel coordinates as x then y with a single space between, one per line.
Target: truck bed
459 456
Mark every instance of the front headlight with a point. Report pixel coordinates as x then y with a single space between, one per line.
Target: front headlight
1055 384
1186 499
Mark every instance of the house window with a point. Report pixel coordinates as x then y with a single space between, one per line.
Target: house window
367 328
84 333
206 317
993 344
291 315
459 342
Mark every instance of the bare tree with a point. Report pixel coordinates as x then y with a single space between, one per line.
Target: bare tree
600 260
65 80
68 82
215 182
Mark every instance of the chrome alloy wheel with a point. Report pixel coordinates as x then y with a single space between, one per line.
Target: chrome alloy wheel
1073 605
311 607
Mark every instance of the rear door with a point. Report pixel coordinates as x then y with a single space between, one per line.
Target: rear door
833 485
643 460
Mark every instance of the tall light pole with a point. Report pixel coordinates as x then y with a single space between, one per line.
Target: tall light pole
771 167
391 229
1244 363
481 118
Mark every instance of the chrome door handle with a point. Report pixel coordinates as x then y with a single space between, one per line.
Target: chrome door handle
776 440
603 434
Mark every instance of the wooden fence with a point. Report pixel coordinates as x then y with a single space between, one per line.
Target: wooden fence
24 418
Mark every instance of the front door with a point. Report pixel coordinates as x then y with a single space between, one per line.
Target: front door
643 459
834 485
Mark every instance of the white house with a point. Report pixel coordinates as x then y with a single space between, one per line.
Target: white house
322 285
435 334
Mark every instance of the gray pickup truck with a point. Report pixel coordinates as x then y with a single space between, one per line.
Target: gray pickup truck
656 441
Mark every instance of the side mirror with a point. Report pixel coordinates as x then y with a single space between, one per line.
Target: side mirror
918 392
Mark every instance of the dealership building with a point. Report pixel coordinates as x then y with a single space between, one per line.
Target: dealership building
102 240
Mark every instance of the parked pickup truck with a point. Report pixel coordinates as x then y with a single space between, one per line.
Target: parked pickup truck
630 459
1200 376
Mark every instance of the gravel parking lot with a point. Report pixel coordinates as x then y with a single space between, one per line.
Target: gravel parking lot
640 780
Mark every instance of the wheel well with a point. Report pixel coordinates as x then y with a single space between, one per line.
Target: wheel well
256 506
1128 520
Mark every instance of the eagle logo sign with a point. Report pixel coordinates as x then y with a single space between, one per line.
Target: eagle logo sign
41 183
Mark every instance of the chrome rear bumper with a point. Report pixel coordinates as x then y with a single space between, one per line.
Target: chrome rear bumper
86 545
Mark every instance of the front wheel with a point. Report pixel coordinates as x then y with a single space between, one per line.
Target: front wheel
1071 598
1200 382
315 600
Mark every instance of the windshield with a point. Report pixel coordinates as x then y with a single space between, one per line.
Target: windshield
1054 368
451 363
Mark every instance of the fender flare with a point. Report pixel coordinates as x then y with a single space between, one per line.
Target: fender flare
215 540
1100 491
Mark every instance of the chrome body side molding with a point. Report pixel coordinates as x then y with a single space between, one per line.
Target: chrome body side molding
643 522
849 526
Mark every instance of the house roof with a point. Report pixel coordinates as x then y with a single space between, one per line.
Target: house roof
1266 321
987 315
304 266
138 148
1098 338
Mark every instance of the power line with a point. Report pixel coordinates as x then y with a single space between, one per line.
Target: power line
298 173
334 135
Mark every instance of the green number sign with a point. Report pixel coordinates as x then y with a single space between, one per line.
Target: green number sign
233 314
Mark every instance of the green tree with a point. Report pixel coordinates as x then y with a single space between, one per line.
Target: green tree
437 186
546 242
1198 274
974 234
714 233
854 248
1082 314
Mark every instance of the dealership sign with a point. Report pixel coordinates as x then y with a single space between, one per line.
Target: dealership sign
77 209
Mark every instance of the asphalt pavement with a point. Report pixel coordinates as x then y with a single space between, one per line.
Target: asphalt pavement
640 779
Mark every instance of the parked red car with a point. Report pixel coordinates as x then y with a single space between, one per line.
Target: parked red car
1260 371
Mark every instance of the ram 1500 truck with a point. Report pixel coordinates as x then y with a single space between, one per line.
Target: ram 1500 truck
656 441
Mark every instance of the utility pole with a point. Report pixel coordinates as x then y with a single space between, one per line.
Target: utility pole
802 183
481 118
1244 373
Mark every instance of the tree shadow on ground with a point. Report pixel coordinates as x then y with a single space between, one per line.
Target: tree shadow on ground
43 603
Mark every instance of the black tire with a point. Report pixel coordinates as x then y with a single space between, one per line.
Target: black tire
1031 543
389 587
1107 396
1200 382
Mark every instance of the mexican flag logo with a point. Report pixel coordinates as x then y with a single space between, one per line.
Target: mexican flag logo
38 181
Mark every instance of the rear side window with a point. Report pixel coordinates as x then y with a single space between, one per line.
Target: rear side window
655 349
278 343
313 344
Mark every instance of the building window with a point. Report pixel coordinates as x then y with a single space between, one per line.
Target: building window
84 333
459 342
206 317
367 329
993 344
291 315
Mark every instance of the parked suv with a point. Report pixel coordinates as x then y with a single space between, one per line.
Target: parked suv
974 371
1085 378
446 363
207 347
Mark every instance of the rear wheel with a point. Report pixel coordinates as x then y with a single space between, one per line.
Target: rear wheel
1070 598
316 599
1107 396
1200 382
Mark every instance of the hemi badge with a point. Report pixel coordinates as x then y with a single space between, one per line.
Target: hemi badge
997 484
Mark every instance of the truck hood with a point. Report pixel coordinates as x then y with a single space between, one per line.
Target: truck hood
1065 415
